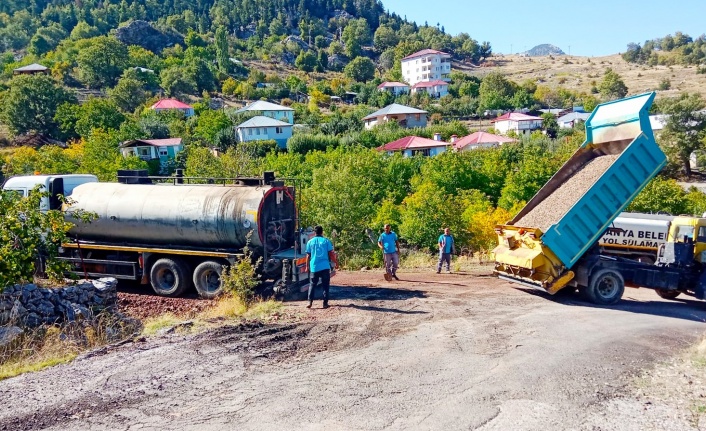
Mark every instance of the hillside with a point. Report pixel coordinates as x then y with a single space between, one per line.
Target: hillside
581 73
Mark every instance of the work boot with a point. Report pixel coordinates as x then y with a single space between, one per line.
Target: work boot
395 277
325 305
310 304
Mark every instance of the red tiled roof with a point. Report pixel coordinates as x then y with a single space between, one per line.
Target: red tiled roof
481 138
411 142
392 84
170 104
516 116
424 52
427 84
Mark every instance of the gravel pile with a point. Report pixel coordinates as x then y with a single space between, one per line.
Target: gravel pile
553 208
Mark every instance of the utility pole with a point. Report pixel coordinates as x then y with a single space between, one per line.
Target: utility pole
510 49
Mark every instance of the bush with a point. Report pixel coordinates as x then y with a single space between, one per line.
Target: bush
240 280
258 149
305 143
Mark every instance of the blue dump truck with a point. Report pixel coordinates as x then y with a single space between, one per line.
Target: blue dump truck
551 243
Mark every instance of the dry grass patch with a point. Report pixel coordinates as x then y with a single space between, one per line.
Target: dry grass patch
47 346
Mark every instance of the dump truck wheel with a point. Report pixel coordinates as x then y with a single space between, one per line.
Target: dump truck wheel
169 277
606 287
207 279
667 294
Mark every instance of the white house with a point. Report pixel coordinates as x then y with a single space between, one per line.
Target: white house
478 140
426 65
415 145
173 105
404 115
569 120
395 88
435 88
518 123
261 128
268 109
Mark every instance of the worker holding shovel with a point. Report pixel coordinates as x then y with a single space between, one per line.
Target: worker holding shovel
390 247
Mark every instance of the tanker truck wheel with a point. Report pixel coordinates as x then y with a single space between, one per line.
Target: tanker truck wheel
169 277
606 287
207 279
667 294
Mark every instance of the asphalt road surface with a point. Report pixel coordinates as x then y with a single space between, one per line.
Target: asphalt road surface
430 352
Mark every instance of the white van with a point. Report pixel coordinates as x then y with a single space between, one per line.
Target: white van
55 184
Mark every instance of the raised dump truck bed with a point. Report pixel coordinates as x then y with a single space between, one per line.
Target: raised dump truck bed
541 244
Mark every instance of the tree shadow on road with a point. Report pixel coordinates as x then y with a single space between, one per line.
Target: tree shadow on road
382 309
366 293
680 308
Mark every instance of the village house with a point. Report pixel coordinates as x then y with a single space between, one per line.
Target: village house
173 105
426 65
517 123
433 88
414 145
478 140
396 88
405 116
31 69
163 150
261 128
268 109
571 119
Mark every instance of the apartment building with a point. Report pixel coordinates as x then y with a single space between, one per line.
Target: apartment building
426 65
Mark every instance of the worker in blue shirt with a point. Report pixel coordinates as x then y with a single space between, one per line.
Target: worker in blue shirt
390 247
446 249
319 255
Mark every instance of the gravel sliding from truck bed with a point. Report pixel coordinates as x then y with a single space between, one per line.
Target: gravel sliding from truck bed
554 206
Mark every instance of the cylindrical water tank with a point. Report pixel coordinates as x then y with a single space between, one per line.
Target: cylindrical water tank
201 216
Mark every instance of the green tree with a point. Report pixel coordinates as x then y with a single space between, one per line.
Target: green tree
355 35
98 113
496 92
31 103
306 61
177 80
361 69
661 195
102 63
128 94
210 123
83 30
685 128
612 87
384 38
222 56
26 234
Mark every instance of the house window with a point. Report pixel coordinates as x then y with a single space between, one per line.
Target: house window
278 130
163 152
257 131
250 132
417 117
424 152
144 151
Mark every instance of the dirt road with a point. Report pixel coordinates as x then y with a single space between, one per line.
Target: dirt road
431 351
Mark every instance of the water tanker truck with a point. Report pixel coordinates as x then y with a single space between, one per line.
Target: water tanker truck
175 236
551 244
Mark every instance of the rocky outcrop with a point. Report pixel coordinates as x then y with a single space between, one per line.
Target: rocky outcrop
142 33
544 49
32 306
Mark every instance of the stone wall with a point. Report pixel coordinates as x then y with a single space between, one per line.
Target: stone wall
31 306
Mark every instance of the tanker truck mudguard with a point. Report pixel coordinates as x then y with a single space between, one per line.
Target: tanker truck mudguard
175 237
545 245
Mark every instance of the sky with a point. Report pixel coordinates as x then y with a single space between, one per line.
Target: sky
586 28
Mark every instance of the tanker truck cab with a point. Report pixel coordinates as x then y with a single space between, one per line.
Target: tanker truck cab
57 185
